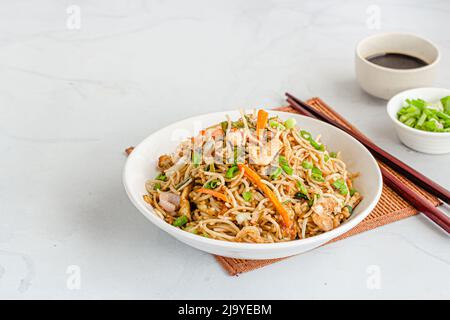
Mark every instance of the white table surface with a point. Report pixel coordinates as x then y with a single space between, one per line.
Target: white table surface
71 100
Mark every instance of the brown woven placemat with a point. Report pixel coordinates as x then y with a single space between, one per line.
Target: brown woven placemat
390 208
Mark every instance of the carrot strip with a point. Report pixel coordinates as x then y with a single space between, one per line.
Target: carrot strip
263 116
256 179
215 194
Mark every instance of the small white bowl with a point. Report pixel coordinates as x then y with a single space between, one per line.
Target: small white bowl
419 140
385 82
141 166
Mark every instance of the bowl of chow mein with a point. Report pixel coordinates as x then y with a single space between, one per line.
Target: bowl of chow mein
253 184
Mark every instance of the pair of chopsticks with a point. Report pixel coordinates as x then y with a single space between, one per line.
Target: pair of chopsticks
416 200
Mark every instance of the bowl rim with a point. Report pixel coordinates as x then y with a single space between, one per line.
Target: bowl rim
392 112
148 211
429 66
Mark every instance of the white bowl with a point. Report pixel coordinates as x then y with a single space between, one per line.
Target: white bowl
385 82
141 166
423 141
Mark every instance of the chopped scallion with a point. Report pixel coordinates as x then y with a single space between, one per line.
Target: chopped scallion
285 165
161 177
305 135
290 123
317 175
212 184
247 195
231 172
276 124
341 186
180 221
307 165
276 173
196 158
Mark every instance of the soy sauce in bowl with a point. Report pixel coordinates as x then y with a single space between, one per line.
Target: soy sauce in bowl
396 61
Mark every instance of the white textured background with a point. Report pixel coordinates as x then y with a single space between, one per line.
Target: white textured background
72 99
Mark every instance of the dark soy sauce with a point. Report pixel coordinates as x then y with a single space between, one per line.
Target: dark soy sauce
396 61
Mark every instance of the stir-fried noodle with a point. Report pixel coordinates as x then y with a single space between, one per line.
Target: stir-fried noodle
257 180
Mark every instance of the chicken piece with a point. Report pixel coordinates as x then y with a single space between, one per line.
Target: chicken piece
323 211
185 206
265 154
301 208
325 206
324 222
165 162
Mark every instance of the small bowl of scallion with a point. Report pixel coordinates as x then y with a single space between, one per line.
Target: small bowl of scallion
422 119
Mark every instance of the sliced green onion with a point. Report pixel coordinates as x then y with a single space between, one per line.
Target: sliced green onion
276 173
290 123
353 191
247 195
196 158
446 104
419 103
161 177
157 186
303 193
276 124
302 188
180 221
317 145
231 172
212 184
305 135
307 164
317 175
442 115
350 208
422 119
341 186
430 126
410 122
326 157
282 161
418 114
407 116
333 154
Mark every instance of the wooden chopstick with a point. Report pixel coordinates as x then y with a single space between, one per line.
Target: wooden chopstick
415 199
393 162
